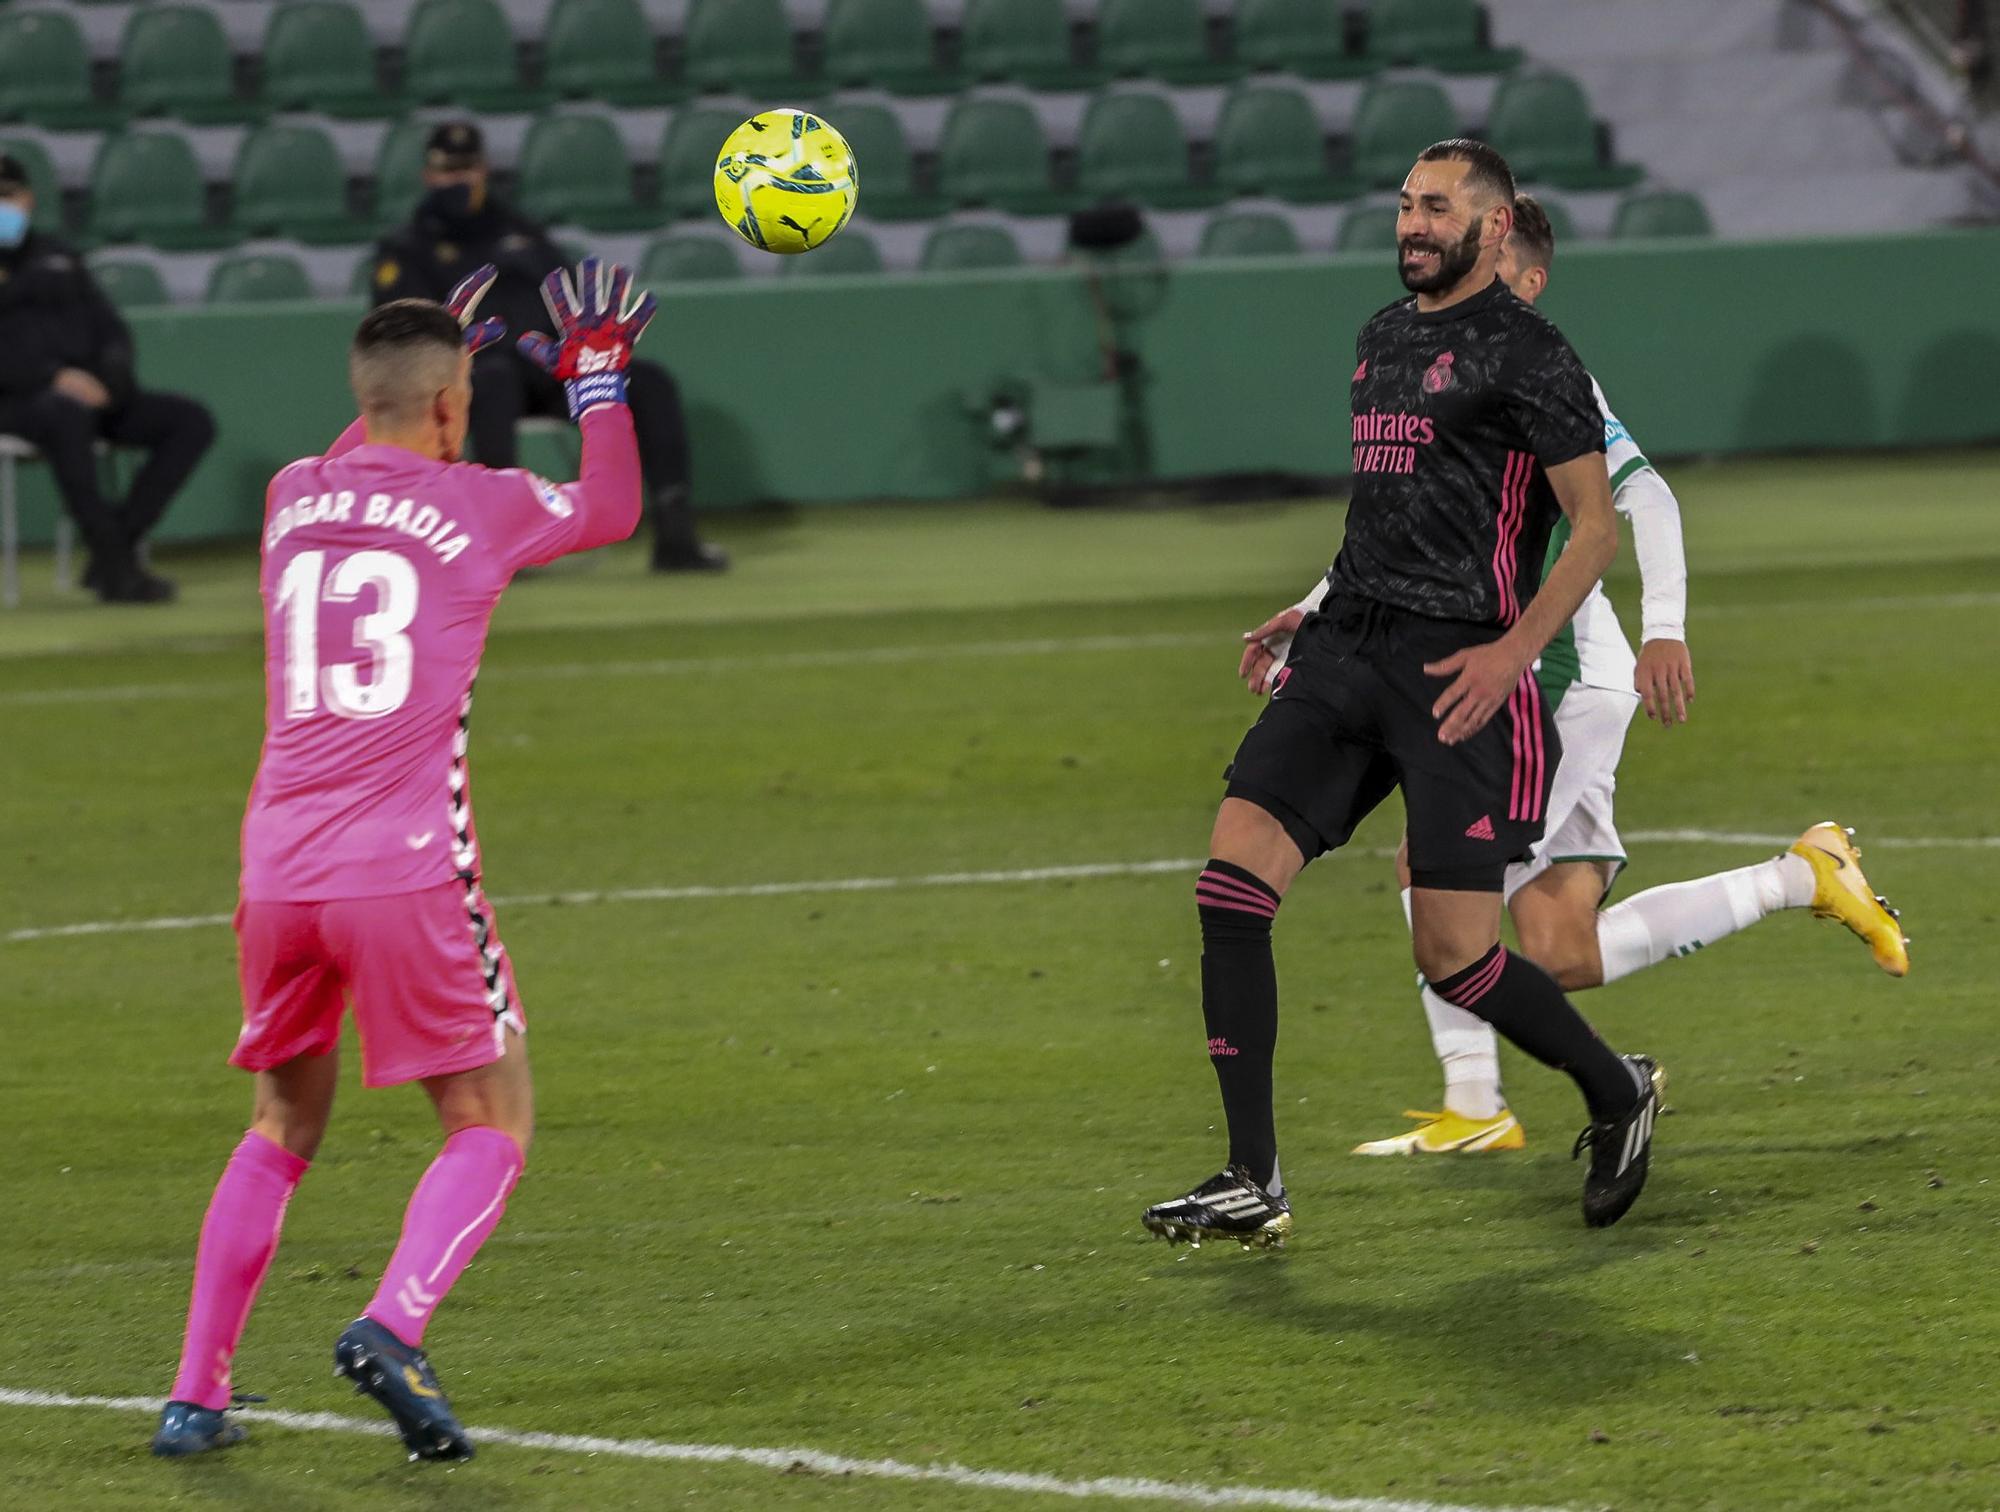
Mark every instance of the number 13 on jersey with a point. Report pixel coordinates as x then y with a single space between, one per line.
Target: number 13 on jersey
347 688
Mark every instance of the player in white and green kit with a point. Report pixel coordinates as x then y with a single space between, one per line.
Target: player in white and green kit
1590 676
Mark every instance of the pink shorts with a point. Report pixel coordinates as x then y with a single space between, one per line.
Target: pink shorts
432 988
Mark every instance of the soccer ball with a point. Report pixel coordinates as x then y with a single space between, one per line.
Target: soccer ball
786 181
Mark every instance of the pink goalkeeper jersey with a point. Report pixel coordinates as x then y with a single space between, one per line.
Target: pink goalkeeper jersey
380 572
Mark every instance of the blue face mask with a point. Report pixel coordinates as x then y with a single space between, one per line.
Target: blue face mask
13 225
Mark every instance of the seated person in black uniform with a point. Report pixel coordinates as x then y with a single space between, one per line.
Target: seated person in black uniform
66 381
460 224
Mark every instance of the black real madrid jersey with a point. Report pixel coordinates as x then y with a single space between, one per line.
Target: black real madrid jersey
1457 414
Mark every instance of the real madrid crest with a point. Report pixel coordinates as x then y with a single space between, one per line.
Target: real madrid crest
1437 377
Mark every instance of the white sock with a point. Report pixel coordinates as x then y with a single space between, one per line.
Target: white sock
1467 1049
1681 917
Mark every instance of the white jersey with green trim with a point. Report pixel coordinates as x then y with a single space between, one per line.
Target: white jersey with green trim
1592 648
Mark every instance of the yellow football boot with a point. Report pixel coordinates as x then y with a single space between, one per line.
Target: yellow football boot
1450 1133
1841 892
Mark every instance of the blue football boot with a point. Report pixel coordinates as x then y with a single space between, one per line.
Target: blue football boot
400 1378
189 1428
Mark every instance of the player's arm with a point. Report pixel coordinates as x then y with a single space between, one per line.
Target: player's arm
1266 648
1664 677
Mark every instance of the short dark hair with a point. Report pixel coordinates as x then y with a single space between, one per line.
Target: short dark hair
1533 237
1485 168
405 323
403 352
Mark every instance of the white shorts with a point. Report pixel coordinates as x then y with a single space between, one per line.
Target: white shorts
1592 724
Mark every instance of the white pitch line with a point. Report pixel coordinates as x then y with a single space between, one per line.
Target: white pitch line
1102 1488
702 893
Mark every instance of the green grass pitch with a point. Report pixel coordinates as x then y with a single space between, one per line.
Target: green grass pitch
860 1171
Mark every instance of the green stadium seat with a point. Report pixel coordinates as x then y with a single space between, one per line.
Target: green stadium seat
130 284
1394 122
1446 34
174 60
888 44
1249 233
42 180
1367 228
993 152
688 259
573 171
45 72
257 277
1269 141
850 252
688 151
1542 122
739 44
601 50
963 249
1661 212
1132 147
399 172
318 56
1158 39
1298 36
461 52
289 182
889 179
147 187
1027 41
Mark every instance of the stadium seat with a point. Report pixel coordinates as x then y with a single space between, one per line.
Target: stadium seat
1132 147
688 150
1661 212
993 152
889 178
42 180
738 44
1026 41
1367 228
601 50
1298 36
962 249
317 56
1158 39
130 284
887 44
289 182
1394 122
688 259
1446 34
174 60
361 282
1249 233
573 171
1269 141
256 277
1542 122
461 52
399 172
45 72
147 187
850 252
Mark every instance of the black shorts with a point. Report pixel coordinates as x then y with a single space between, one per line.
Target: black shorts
1351 720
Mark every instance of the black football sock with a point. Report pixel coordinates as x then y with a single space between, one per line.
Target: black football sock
1239 1001
1523 1002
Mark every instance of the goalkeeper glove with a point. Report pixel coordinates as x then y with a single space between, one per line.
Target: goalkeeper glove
464 299
596 320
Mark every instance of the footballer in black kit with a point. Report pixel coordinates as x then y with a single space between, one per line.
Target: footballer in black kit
1415 671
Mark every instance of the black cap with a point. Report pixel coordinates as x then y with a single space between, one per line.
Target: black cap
453 145
13 175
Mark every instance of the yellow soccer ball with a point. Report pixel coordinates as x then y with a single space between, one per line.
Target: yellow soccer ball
786 181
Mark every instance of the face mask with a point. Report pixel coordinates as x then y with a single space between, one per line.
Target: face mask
13 225
450 202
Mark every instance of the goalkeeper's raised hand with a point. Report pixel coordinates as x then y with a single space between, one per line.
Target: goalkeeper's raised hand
463 301
597 320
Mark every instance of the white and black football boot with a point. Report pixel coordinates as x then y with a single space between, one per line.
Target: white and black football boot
1621 1150
1229 1205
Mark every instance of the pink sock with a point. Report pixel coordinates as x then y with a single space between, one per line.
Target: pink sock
454 1208
238 1239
